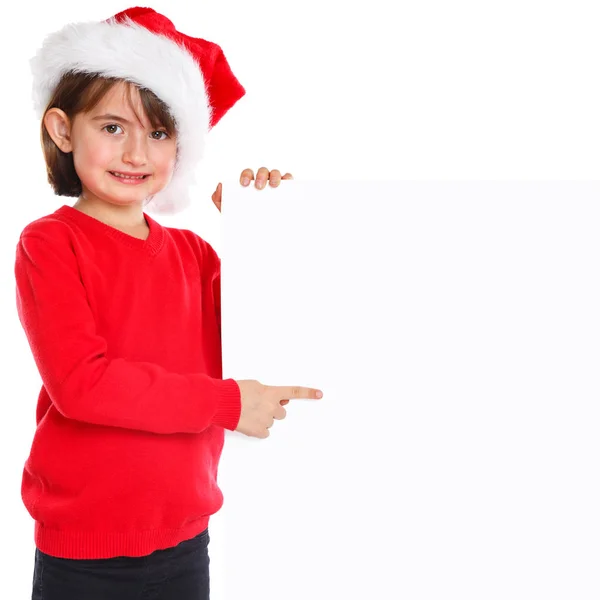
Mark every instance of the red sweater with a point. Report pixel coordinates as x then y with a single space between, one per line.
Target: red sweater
126 335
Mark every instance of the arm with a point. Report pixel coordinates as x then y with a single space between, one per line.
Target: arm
216 283
71 357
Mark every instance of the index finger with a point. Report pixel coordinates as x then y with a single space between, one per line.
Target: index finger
298 392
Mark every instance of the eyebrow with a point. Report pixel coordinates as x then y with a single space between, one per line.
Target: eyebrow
111 117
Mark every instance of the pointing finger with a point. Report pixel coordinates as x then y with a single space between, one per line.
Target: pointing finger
299 392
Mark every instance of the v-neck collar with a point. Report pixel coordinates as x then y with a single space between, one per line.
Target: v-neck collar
152 244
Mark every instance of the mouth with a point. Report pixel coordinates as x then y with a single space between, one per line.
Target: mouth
128 180
135 177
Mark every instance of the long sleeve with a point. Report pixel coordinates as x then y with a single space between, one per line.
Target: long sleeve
71 356
216 282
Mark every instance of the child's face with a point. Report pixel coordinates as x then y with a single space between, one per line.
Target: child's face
102 145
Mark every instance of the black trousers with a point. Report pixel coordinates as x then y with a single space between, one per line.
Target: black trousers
178 573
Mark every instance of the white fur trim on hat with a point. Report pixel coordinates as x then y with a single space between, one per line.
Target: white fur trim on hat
130 51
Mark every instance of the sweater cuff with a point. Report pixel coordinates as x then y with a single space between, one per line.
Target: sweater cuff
229 407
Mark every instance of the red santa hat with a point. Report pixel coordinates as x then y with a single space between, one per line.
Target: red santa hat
190 75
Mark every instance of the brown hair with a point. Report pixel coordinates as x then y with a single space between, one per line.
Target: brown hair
80 93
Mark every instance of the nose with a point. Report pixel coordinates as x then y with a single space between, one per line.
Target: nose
135 151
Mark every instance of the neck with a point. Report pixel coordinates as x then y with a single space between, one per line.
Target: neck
122 217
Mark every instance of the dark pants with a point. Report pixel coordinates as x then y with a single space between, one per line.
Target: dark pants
178 573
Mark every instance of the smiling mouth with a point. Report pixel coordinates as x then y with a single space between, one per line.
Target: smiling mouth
116 174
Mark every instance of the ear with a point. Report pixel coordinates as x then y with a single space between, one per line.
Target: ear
58 126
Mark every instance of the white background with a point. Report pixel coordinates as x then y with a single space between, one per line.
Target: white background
370 91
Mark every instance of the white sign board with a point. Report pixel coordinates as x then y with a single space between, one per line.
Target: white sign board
454 328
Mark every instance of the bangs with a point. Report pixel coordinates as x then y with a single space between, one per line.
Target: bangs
156 111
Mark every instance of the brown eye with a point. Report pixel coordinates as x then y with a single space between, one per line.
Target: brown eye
111 125
166 135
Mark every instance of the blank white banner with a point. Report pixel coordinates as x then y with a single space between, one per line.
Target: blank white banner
454 328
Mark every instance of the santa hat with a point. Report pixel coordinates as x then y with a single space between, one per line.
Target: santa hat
190 75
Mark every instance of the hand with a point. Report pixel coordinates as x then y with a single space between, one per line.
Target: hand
261 404
262 176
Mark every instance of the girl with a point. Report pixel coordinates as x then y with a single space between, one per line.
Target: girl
123 316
